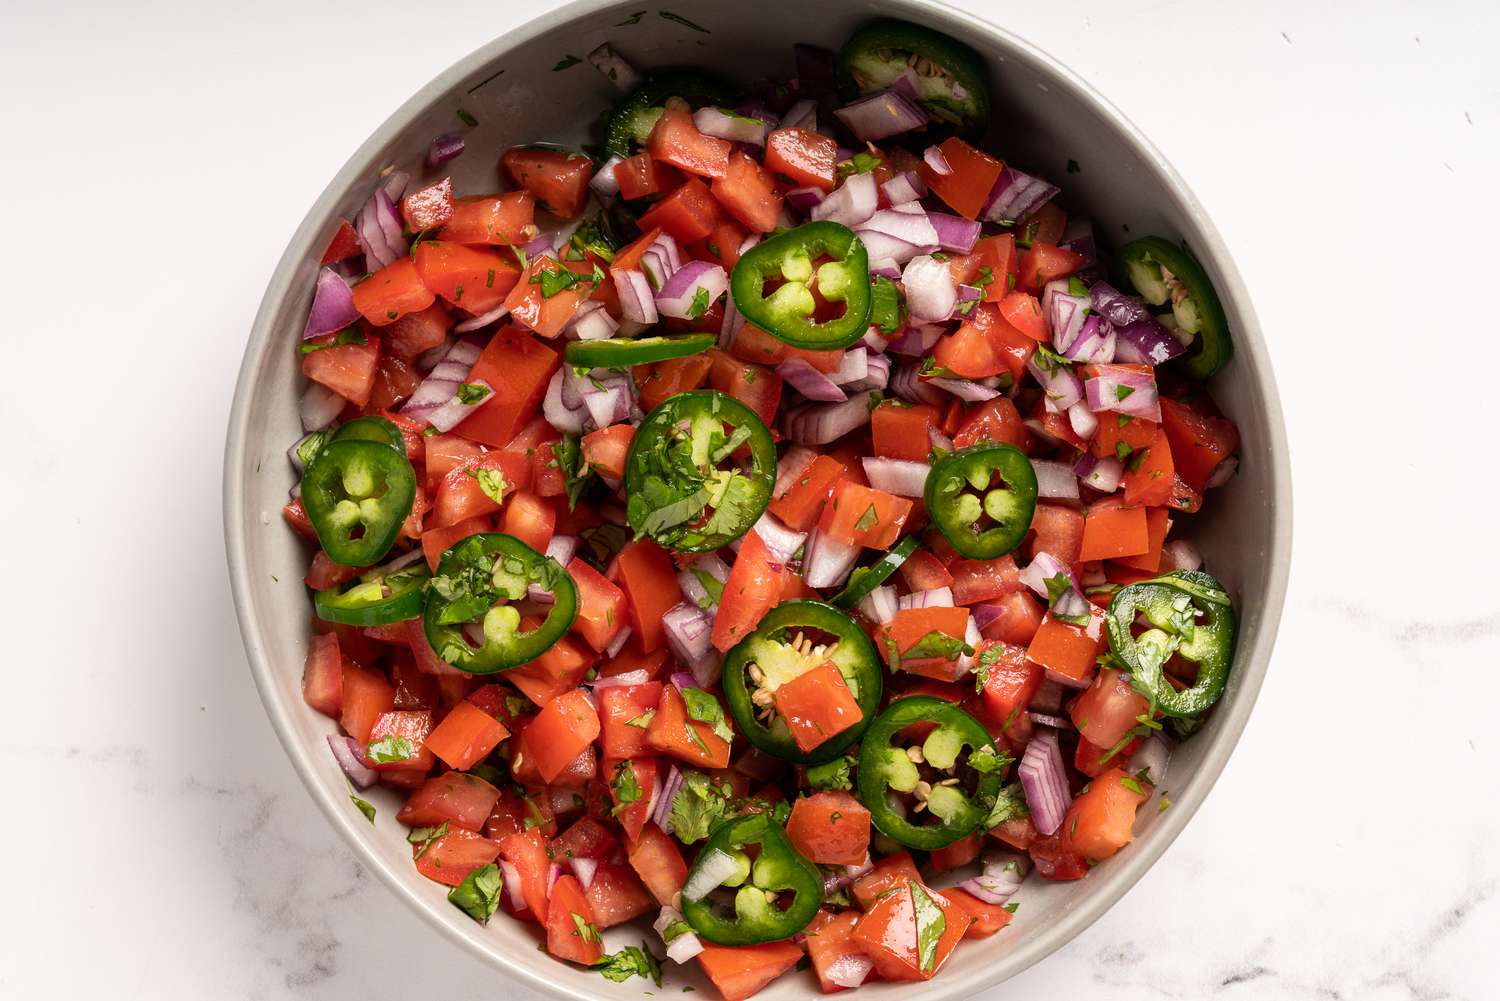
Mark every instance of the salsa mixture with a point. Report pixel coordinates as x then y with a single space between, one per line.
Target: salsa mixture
768 524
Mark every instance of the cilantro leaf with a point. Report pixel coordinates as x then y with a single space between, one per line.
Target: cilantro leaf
630 962
568 456
698 806
1010 804
831 775
626 788
986 760
425 836
930 926
391 748
704 708
469 392
478 895
364 807
492 482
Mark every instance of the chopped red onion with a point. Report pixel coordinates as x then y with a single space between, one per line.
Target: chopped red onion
661 812
936 438
640 676
934 158
615 68
1152 758
905 187
1060 385
608 395
1044 567
584 869
1055 480
445 147
728 125
332 306
512 878
804 200
594 325
1146 342
561 548
822 423
349 753
881 116
1120 389
809 381
887 253
851 203
1016 195
998 881
320 407
782 542
937 597
1182 555
906 382
874 341
1050 697
877 374
955 233
378 228
394 185
1047 719
429 359
880 605
604 183
802 115
1222 473
1044 782
436 398
854 365
849 969
1066 313
685 945
826 562
687 629
790 466
637 300
1115 306
913 230
901 477
696 282
1082 420
1103 475
930 289
710 871
565 417
966 389
554 872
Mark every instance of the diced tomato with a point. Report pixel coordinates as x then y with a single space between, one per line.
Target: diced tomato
466 736
527 851
604 450
676 140
1199 442
295 515
888 933
672 732
998 254
971 178
656 858
1149 474
453 856
828 941
566 725
984 580
889 872
1112 530
546 315
558 670
461 494
970 353
817 706
959 853
753 587
364 695
617 895
322 675
923 571
668 378
640 176
688 214
987 918
1018 834
996 420
343 245
454 798
723 244
467 277
807 159
391 293
517 367
802 503
650 583
324 573
572 928
618 706
755 386
1158 523
601 605
395 380
1011 681
347 369
1057 530
749 194
901 431
830 828
436 541
741 971
530 519
1024 313
560 181
1046 262
398 738
1017 618
1099 822
755 345
429 207
864 516
1108 709
496 220
1068 651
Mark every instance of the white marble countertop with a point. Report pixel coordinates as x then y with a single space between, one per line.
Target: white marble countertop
156 843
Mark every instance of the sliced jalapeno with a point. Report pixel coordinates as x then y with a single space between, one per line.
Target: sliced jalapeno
1163 273
633 118
357 494
377 598
760 911
791 261
686 489
372 428
793 639
866 579
623 352
982 499
470 620
1187 613
949 77
901 780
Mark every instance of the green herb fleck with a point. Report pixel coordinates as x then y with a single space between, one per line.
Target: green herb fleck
630 962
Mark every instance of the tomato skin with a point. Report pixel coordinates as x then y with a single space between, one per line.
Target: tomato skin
494 220
900 431
888 934
753 587
1058 530
617 895
650 583
969 353
998 253
689 214
802 503
1149 475
560 181
817 705
890 872
343 245
967 188
617 707
756 386
572 929
753 344
530 519
640 176
601 605
429 207
1099 821
561 668
830 828
748 193
1068 651
470 278
960 853
656 858
1112 529
605 449
741 971
995 420
466 736
864 516
828 940
1108 709
322 675
545 315
391 293
1011 682
984 580
347 369
1199 442
460 495
412 724
667 378
677 141
566 726
1020 615
987 918
527 852
668 733
517 368
324 573
923 571
453 856
453 798
365 696
807 159
1046 262
1024 313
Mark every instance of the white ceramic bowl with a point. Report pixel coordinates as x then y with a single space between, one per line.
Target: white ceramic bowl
1043 116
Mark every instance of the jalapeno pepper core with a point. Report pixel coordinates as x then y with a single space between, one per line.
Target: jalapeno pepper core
951 81
378 598
1163 272
476 580
357 494
982 499
685 486
781 649
887 767
790 260
776 869
1172 606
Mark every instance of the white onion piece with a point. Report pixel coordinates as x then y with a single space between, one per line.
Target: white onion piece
1055 480
1042 568
566 419
880 605
683 947
790 466
710 871
593 325
561 548
1152 758
512 879
348 753
849 970
826 562
615 68
782 542
1103 475
723 124
930 289
1182 555
1082 420
584 869
482 320
851 203
901 477
937 597
1222 473
320 407
821 423
604 183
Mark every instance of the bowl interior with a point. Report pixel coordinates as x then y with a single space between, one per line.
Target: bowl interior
1044 121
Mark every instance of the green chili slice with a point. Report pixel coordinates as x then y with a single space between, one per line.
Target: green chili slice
357 494
982 499
1163 272
791 262
377 598
1187 613
623 352
759 911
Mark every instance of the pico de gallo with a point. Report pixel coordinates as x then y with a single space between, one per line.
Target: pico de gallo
769 526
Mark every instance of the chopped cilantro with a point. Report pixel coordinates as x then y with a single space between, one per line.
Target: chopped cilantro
833 774
630 962
478 895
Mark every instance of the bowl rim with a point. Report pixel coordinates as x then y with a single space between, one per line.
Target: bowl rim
1252 663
